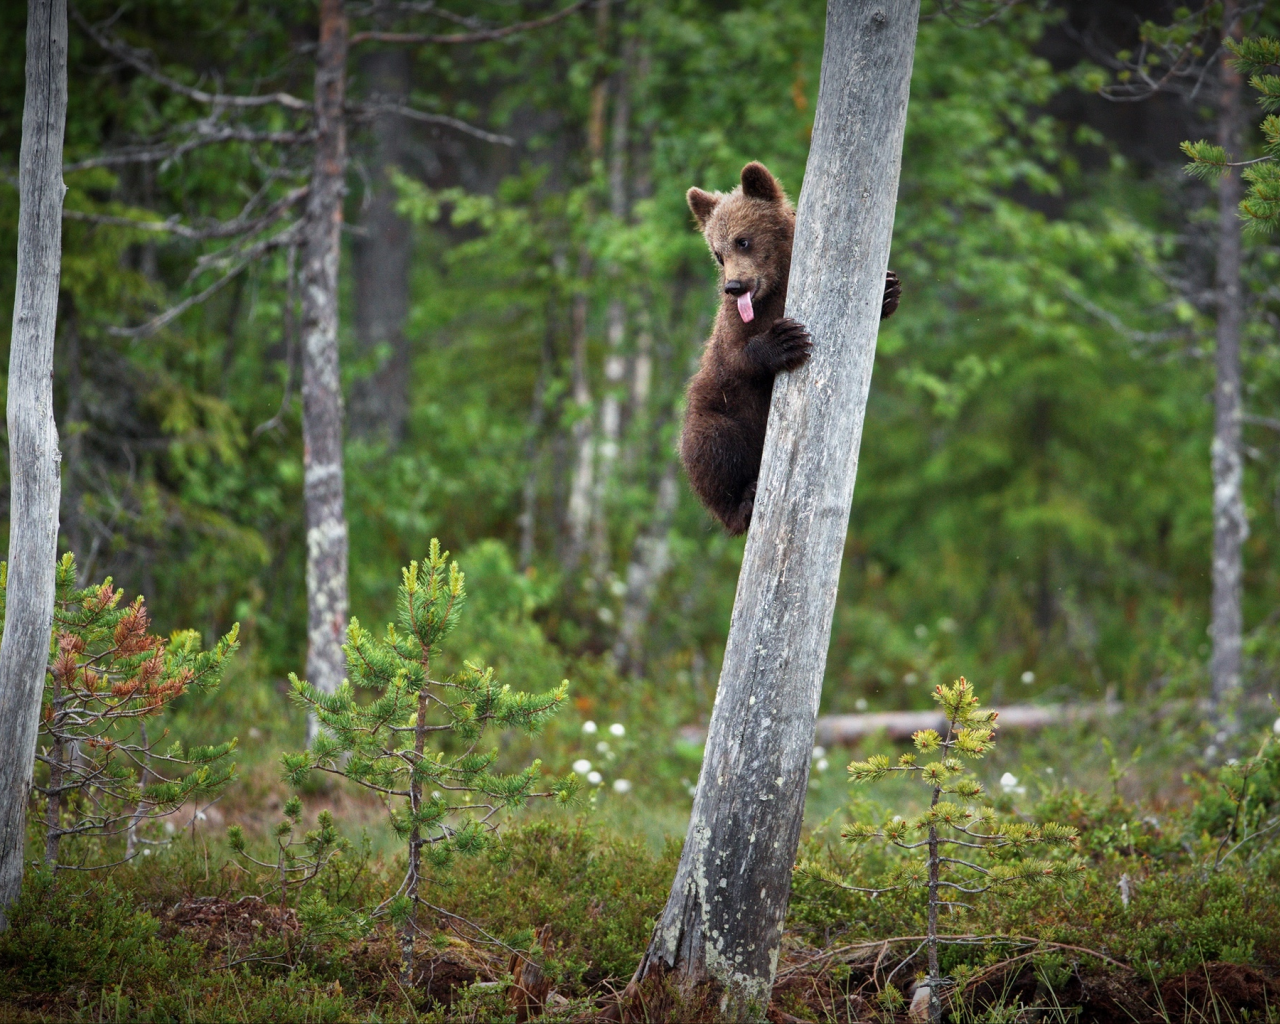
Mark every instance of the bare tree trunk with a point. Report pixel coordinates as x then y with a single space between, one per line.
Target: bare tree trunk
615 363
1230 527
380 401
321 384
581 486
578 507
721 930
537 416
649 561
34 485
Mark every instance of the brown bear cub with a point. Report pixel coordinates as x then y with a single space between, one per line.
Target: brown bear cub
749 232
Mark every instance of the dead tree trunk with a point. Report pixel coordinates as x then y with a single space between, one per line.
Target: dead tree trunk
1230 527
721 930
34 487
321 385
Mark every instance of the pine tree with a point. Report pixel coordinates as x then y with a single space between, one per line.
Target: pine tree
98 770
1260 208
416 743
968 850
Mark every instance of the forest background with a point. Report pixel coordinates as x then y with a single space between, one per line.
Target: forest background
522 298
518 318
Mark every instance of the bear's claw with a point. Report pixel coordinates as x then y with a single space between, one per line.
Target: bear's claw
786 346
892 295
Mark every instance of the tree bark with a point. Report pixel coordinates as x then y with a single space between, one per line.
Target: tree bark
321 384
33 435
380 401
1230 526
721 930
615 363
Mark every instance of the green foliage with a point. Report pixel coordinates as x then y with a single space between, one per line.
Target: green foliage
1260 208
298 860
969 850
97 935
99 771
415 742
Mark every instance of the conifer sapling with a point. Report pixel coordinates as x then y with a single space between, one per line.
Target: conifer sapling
416 743
968 851
99 772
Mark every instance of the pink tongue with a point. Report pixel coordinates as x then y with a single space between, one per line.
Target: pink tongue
744 308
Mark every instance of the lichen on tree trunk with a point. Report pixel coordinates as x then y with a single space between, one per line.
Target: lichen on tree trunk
321 384
721 930
1230 525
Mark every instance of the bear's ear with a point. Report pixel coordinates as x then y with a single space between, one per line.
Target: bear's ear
701 203
758 183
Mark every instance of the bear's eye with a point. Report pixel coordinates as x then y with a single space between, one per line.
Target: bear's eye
719 259
743 243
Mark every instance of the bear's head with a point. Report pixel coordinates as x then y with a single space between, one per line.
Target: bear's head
749 231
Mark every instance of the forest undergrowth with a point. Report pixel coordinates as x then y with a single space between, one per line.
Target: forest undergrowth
1168 921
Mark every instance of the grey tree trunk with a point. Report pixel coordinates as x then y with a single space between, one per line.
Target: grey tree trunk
615 363
34 487
321 385
649 560
380 401
721 930
1230 526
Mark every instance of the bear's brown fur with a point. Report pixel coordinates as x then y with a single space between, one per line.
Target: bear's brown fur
749 231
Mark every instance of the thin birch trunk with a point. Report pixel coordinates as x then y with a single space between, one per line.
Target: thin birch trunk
578 507
537 417
321 385
615 363
35 486
649 561
720 934
1230 526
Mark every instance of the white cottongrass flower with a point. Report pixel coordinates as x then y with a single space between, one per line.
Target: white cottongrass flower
1275 728
595 778
822 764
589 727
621 786
1028 677
582 766
819 752
617 729
1008 780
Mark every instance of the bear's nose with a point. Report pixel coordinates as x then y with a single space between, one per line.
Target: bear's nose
734 287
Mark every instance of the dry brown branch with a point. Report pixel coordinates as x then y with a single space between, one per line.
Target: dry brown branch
481 36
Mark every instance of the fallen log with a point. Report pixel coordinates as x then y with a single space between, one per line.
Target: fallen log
837 730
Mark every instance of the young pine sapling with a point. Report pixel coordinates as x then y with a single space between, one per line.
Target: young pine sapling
416 742
298 860
98 770
968 851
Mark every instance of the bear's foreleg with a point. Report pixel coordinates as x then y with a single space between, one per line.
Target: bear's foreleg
784 346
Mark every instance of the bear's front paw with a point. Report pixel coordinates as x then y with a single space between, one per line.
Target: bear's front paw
785 347
892 295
